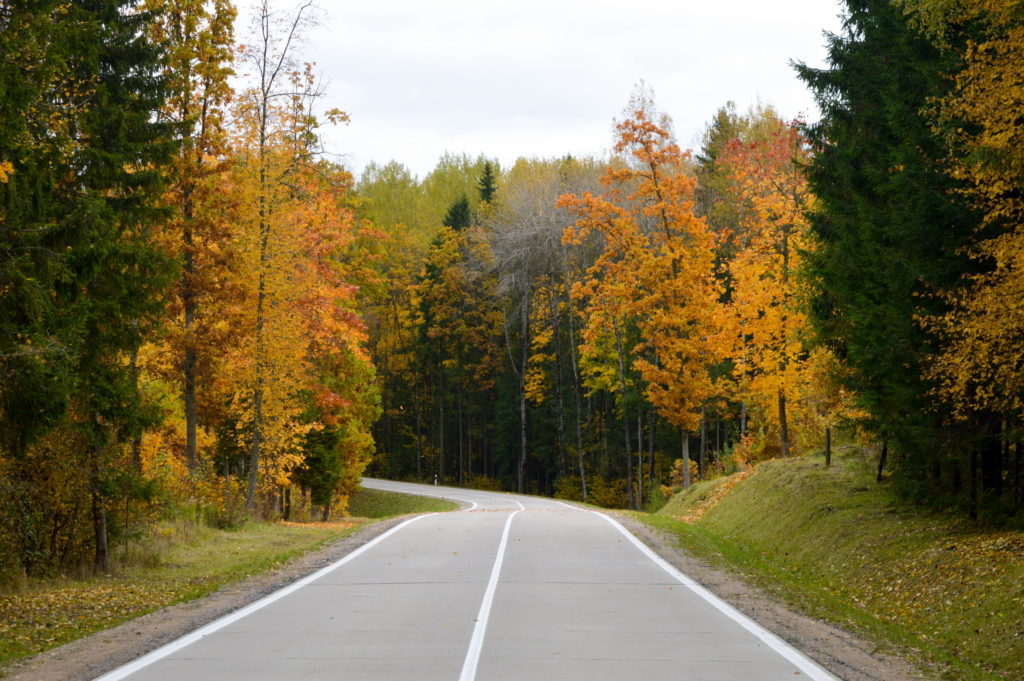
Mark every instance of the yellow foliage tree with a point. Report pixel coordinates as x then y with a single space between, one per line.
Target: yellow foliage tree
980 367
766 321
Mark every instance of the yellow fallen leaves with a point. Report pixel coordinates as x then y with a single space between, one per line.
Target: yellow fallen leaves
723 489
38 620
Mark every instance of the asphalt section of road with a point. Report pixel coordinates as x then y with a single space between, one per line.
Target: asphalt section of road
511 588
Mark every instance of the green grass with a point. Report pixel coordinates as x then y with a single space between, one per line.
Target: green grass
181 561
372 503
836 545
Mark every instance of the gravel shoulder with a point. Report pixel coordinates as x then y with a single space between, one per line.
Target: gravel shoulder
92 656
846 655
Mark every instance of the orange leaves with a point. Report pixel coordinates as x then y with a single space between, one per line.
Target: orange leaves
655 270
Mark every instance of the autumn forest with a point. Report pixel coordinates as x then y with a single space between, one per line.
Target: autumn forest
200 310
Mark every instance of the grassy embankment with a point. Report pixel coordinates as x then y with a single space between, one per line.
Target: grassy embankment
181 561
838 546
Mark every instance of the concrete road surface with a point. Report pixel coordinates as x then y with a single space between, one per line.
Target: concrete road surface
511 588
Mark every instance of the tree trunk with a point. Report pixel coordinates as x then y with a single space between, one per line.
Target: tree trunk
563 458
686 460
288 502
136 447
606 454
639 461
440 439
254 448
188 302
828 446
469 447
1018 470
326 515
268 72
227 482
625 416
261 299
524 360
992 460
101 561
462 453
650 451
419 440
521 468
579 408
972 478
702 463
783 426
882 457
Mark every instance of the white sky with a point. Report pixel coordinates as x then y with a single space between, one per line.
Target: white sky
511 78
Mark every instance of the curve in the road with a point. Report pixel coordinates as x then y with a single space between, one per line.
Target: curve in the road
561 593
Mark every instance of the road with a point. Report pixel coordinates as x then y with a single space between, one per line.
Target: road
511 588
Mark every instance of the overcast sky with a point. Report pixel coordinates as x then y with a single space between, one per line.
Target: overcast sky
511 78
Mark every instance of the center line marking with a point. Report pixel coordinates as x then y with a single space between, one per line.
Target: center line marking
476 643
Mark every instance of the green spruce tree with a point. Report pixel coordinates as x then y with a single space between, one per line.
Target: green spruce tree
488 183
889 226
459 215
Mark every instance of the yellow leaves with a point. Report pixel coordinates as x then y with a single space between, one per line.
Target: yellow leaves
336 116
6 170
536 384
766 303
721 490
978 369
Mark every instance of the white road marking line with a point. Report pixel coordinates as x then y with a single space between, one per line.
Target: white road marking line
198 634
521 507
575 508
476 643
465 510
802 662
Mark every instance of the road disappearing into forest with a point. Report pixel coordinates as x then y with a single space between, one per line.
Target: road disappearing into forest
510 588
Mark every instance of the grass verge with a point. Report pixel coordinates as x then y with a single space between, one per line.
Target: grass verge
836 545
373 503
182 561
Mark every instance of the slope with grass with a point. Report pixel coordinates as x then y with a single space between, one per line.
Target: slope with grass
182 560
838 546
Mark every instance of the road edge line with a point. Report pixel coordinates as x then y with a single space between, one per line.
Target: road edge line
815 671
188 639
476 642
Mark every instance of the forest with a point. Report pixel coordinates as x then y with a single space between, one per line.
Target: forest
200 310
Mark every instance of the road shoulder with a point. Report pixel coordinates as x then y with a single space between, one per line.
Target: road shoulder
846 655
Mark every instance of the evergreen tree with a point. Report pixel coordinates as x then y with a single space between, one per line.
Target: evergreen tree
488 184
39 113
80 278
321 468
888 225
459 215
